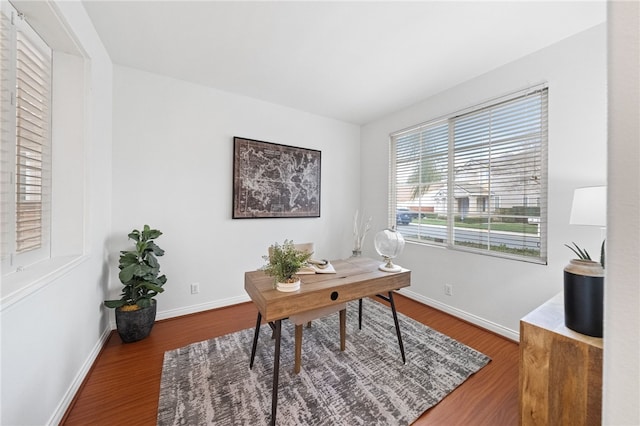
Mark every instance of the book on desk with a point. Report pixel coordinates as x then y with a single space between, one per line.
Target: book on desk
317 267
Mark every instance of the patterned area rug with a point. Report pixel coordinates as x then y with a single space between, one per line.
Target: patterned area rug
210 382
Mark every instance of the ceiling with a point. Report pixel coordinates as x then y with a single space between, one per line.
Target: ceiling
352 61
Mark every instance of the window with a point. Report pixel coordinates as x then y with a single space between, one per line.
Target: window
476 180
26 143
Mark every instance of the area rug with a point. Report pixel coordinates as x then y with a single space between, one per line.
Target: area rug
210 382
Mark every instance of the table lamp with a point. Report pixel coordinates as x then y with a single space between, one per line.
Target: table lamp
589 206
584 279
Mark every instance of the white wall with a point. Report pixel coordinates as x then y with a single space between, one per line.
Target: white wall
172 169
51 336
622 292
493 292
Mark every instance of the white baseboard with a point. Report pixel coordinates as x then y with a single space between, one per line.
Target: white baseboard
473 319
202 307
62 407
172 313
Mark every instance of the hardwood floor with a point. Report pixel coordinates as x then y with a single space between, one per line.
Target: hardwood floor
123 385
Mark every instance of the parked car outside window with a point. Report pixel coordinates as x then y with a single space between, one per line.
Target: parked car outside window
403 217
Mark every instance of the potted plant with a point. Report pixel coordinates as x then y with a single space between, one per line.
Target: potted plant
584 254
141 280
584 292
283 262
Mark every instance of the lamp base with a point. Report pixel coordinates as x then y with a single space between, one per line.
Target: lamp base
389 267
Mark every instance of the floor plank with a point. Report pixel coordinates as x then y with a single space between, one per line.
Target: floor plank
123 385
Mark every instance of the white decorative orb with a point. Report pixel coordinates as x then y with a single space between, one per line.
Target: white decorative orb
389 244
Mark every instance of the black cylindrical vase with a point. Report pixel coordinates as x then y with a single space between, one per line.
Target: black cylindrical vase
584 297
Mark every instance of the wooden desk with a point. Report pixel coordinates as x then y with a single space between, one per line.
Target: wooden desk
354 279
560 370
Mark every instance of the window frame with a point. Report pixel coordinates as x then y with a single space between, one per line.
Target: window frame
73 101
426 151
22 41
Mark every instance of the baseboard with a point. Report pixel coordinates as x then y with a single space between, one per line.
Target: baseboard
172 313
473 319
62 407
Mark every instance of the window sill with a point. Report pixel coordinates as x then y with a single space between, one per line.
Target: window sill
19 285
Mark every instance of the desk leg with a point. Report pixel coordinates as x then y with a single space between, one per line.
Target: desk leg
395 319
276 372
360 314
255 340
298 352
343 329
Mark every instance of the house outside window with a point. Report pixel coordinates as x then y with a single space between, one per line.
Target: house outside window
476 180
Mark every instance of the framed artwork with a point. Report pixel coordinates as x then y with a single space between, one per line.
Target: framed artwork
272 180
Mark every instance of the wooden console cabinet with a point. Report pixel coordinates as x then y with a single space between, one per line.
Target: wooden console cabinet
560 370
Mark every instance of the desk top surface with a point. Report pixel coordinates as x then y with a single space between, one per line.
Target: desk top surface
355 278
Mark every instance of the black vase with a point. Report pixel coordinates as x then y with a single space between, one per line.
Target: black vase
135 325
584 297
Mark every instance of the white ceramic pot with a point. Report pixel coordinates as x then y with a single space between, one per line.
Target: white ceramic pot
288 287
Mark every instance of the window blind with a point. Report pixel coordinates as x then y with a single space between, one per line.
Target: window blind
26 140
33 94
476 180
7 132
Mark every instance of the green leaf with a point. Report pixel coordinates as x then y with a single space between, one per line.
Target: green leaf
134 235
154 287
141 247
154 248
128 258
582 254
152 261
127 273
144 302
114 303
153 234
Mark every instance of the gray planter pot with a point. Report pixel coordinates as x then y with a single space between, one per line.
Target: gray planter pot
135 325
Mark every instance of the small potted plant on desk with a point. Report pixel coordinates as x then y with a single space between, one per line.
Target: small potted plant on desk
141 280
283 262
584 292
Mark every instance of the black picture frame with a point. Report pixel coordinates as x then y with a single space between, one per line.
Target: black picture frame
275 181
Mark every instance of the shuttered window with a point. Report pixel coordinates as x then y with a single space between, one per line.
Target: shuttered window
476 180
26 143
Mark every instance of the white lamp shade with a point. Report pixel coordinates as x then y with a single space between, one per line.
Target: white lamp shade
589 206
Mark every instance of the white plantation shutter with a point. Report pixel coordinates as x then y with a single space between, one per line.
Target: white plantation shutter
477 180
26 143
7 133
33 95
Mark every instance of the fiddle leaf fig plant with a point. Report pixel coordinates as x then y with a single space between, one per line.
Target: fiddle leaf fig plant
139 271
284 261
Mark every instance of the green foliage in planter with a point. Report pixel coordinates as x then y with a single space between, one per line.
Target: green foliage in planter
284 261
139 271
584 254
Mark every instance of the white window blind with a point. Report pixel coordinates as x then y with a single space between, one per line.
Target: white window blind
476 180
26 142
